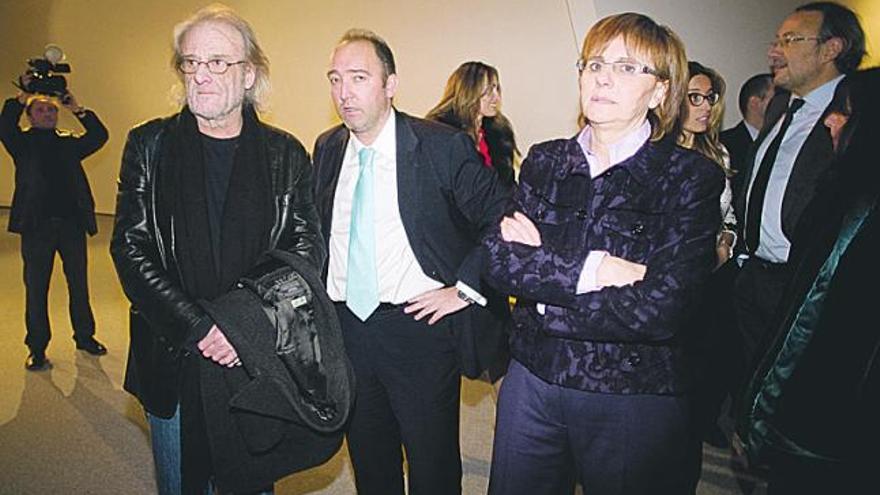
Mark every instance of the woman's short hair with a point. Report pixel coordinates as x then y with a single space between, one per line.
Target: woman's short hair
663 50
252 51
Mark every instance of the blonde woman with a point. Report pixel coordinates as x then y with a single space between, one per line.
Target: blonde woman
472 103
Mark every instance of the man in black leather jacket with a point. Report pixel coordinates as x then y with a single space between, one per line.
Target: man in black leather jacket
53 210
202 194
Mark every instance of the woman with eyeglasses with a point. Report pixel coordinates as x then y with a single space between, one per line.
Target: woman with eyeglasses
712 329
699 131
472 103
609 237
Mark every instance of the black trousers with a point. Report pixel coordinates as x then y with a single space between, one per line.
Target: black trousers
759 289
38 248
715 347
407 393
715 350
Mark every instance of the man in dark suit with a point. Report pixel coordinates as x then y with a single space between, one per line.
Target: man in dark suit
754 95
814 48
403 202
53 210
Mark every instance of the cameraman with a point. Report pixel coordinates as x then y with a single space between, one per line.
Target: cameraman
52 209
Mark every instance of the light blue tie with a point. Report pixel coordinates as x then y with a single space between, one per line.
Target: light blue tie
362 284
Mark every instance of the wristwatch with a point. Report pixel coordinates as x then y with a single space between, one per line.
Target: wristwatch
466 298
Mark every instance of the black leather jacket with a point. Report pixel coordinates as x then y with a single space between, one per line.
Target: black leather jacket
162 312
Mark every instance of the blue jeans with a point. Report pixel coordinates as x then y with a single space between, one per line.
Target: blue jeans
165 439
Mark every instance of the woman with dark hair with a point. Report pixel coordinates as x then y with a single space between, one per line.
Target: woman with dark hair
608 238
472 103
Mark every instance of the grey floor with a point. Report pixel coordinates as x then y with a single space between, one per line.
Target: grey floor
73 430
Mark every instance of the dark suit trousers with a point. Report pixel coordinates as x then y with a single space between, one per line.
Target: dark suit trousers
38 248
759 289
407 393
715 343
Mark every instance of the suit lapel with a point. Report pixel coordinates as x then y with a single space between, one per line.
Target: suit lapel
408 169
812 161
774 112
329 165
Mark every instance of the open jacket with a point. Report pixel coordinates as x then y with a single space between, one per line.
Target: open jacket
810 171
658 208
162 312
447 199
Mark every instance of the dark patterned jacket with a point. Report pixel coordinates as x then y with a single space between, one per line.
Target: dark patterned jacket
658 208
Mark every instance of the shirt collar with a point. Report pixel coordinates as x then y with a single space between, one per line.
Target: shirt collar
619 151
820 97
385 143
753 131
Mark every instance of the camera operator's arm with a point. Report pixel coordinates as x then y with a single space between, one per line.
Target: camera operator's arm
24 81
96 134
10 133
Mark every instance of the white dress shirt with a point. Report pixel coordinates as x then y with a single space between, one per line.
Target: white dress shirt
773 245
400 276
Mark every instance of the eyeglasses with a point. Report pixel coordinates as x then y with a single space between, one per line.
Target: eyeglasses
215 65
788 38
697 99
620 67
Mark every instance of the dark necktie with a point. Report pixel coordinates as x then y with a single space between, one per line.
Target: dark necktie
755 206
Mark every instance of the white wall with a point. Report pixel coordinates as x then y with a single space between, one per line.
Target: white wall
729 36
120 51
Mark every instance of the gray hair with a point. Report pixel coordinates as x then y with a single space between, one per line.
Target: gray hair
253 53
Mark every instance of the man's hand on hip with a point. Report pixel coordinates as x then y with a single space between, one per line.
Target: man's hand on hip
436 303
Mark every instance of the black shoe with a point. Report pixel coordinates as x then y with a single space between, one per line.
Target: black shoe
37 361
92 346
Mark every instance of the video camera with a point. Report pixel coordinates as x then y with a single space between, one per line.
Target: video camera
44 74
